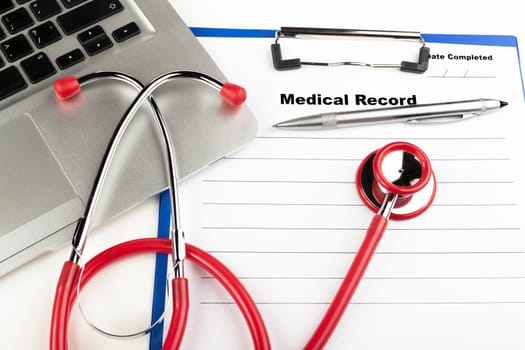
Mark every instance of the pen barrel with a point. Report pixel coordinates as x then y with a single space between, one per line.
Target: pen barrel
431 113
415 112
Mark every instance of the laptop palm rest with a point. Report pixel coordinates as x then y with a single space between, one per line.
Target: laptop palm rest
35 194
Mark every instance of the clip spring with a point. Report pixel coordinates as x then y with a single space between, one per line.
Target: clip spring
299 32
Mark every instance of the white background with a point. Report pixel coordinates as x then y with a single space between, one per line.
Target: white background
26 294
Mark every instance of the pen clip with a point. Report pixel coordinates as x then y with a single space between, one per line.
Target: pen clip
442 119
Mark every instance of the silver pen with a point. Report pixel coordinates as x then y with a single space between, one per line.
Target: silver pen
432 112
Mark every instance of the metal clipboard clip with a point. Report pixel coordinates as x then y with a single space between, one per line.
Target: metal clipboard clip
302 32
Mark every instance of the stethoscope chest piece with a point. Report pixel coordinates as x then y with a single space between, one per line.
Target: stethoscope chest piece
401 169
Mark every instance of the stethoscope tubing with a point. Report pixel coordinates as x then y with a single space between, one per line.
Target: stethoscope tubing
69 284
349 285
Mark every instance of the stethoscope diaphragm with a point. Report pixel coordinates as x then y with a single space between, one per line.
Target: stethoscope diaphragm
401 169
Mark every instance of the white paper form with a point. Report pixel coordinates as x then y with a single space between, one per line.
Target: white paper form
285 216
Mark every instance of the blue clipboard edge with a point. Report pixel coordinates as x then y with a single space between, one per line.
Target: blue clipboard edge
463 39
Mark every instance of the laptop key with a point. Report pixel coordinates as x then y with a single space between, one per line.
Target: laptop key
43 9
17 20
70 3
38 67
45 34
90 34
11 82
94 40
5 5
125 32
16 48
69 59
97 45
90 13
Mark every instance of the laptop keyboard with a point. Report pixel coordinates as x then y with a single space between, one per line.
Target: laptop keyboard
29 27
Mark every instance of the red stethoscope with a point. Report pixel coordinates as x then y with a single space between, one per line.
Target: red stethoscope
396 182
73 277
404 193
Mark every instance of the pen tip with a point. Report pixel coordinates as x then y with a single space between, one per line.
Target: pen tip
502 104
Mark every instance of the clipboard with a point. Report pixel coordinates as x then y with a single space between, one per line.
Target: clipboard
461 39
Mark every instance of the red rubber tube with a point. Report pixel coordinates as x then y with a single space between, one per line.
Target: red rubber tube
349 285
206 261
65 291
180 314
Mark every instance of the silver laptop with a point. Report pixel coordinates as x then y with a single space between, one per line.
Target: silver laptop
50 150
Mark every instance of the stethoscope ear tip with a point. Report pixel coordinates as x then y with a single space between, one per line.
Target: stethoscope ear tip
67 87
233 94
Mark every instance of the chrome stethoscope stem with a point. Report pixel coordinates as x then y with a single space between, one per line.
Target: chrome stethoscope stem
388 204
84 223
145 92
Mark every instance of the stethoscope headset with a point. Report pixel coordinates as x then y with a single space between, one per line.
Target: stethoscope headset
386 193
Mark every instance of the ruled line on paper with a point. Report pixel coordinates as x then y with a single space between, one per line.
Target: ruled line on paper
344 182
477 182
377 303
284 228
463 76
279 181
374 278
350 204
358 160
360 138
349 252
